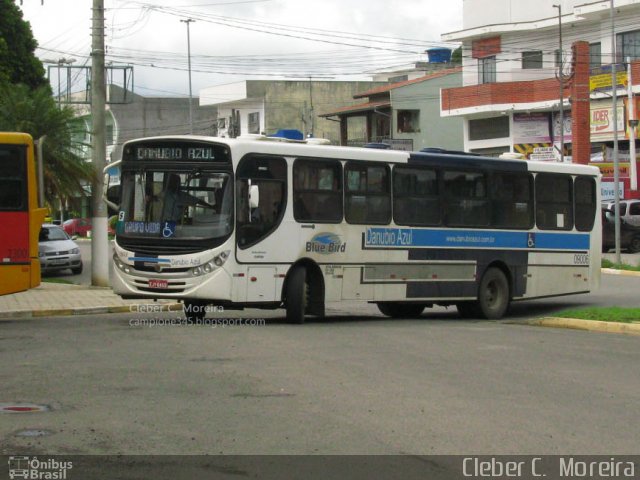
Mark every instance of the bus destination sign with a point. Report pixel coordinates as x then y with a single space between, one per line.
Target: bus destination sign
173 153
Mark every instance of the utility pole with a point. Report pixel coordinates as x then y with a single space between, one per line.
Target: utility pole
633 124
188 21
616 161
561 79
99 242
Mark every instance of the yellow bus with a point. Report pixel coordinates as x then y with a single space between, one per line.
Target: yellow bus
20 216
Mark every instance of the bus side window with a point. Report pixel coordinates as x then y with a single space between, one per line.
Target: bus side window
270 175
368 193
554 201
317 191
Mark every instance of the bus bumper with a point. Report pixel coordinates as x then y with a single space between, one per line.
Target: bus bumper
216 285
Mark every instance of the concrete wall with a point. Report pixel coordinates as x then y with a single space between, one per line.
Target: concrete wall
435 131
289 104
150 116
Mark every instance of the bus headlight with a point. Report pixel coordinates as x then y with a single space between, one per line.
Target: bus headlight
209 267
221 258
121 266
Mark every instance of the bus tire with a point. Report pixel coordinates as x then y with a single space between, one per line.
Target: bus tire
297 295
400 310
493 294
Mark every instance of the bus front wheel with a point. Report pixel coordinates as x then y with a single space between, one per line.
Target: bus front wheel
493 294
400 310
297 294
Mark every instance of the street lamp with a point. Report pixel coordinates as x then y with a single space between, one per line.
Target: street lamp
188 21
60 62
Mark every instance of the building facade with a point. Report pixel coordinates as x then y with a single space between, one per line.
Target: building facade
510 98
266 106
405 114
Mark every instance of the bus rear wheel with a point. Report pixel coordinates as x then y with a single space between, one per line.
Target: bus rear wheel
297 295
400 310
493 294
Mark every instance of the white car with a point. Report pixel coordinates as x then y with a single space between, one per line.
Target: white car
629 211
57 251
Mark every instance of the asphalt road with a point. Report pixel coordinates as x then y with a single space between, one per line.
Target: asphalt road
350 384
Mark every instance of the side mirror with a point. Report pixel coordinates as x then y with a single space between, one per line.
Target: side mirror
108 170
254 196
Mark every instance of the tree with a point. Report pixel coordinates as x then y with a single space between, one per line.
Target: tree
456 56
35 112
18 62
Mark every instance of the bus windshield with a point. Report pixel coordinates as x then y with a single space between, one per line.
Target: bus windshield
176 204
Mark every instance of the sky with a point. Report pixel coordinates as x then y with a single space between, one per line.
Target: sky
232 40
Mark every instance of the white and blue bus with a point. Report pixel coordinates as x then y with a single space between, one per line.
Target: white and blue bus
253 222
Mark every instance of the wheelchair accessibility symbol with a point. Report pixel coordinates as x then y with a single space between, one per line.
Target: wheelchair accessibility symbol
168 229
531 240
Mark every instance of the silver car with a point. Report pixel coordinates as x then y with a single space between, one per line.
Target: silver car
58 251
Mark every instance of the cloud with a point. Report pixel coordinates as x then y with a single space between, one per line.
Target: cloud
238 39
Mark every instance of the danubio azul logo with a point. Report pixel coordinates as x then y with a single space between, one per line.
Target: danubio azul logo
326 243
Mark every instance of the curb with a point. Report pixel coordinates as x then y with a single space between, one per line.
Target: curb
68 312
588 325
615 271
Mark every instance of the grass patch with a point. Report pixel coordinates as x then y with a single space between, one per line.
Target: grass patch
56 280
619 266
603 314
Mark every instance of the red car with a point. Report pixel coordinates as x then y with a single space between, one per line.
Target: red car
77 226
80 227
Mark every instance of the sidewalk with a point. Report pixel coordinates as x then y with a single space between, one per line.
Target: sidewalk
56 299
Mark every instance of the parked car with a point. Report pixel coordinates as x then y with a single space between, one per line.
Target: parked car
629 211
629 234
81 227
77 226
57 251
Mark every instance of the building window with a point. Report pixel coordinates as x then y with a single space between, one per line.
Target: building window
408 121
595 55
532 59
317 191
222 123
368 194
254 122
488 128
487 70
628 45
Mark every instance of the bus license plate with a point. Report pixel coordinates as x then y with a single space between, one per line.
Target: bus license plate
158 284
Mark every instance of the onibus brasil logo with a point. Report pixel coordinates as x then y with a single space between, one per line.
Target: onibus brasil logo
33 468
326 243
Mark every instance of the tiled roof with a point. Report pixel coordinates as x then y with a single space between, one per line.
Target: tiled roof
392 86
362 107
